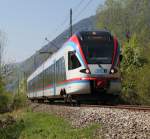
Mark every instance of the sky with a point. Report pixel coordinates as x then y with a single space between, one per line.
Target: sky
26 23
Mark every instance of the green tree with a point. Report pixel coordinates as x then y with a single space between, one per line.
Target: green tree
132 63
130 16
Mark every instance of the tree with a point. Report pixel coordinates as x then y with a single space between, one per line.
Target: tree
129 20
125 16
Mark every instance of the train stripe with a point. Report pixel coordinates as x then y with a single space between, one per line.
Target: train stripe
71 81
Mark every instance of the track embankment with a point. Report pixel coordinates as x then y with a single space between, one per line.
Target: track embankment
116 123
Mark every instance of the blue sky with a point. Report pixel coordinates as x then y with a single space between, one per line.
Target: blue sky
26 23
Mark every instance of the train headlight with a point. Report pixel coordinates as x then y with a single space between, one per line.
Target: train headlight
87 71
112 71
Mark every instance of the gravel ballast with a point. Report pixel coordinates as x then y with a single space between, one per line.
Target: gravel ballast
115 123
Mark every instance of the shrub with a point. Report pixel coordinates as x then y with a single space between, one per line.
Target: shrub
135 73
19 101
6 98
143 85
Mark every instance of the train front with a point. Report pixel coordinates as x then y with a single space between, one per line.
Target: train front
102 54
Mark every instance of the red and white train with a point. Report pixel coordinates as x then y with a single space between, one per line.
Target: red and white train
86 66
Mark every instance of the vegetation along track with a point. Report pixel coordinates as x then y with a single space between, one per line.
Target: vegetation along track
128 107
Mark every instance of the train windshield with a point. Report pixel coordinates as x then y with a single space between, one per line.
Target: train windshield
98 49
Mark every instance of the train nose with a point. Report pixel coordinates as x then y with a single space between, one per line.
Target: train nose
100 83
99 69
111 86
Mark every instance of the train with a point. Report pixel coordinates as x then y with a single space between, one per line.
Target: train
86 66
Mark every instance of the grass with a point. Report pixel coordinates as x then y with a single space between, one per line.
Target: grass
42 125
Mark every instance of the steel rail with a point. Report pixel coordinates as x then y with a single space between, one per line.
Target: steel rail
128 107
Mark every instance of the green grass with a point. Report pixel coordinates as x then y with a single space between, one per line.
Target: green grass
42 125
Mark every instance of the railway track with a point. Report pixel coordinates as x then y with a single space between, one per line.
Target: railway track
128 107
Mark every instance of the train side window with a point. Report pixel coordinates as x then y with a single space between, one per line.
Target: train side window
73 61
63 69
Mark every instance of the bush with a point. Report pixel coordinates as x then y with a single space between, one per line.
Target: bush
143 85
6 98
129 84
5 102
19 101
135 73
9 101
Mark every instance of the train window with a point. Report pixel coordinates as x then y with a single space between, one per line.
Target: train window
41 81
52 74
73 61
35 85
46 77
38 82
59 71
57 74
44 85
29 86
63 69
